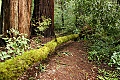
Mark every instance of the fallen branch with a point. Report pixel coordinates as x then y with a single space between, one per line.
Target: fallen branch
13 68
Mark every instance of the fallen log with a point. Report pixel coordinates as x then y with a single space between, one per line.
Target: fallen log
13 68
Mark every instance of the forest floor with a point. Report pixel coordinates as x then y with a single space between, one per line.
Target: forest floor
68 62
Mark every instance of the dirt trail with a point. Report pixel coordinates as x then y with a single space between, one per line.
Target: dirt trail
68 63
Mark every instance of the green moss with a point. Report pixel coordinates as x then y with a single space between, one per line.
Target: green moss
13 68
51 45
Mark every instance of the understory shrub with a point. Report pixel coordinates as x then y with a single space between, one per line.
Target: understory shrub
39 26
104 17
108 75
115 59
14 45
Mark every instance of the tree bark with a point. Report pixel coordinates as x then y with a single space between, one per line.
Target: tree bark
0 18
24 16
44 8
5 15
14 14
17 15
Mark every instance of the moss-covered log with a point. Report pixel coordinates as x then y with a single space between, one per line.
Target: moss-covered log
13 68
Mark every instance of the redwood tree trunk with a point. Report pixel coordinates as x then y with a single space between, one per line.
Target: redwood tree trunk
14 14
5 15
24 17
17 15
44 8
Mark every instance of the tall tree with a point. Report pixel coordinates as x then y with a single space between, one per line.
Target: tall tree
62 8
0 17
25 16
17 15
5 15
44 8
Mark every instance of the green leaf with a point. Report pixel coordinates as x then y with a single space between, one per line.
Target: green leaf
3 53
6 56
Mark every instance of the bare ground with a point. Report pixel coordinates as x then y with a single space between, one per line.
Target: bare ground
68 62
